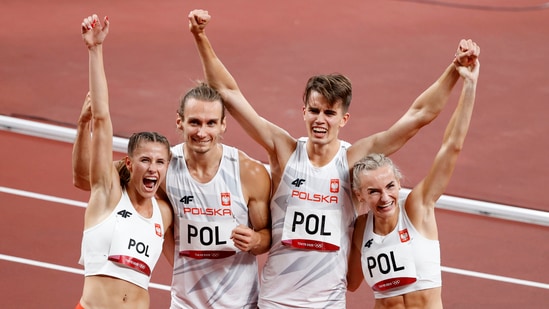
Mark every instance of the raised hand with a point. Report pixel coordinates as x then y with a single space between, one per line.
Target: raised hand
467 53
198 19
93 32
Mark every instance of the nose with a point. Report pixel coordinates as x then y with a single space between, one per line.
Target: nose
320 118
201 131
384 196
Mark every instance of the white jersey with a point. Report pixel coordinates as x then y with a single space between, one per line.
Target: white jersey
312 216
209 271
125 245
400 262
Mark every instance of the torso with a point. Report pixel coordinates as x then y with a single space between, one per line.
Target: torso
108 248
204 216
401 265
316 201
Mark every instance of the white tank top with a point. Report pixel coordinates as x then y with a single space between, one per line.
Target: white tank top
400 262
312 216
209 272
125 245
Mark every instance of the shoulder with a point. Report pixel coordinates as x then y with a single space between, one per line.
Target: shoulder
251 165
165 210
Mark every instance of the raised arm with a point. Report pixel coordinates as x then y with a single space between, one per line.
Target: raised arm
268 135
101 170
421 201
81 148
423 110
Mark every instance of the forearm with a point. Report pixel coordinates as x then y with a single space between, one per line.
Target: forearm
431 102
459 123
217 75
98 82
264 243
81 156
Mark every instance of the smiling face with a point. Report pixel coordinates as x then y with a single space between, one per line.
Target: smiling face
202 123
322 119
148 164
379 191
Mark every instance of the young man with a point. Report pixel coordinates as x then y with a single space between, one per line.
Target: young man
220 198
311 207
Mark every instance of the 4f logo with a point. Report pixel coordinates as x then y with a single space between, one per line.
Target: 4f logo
298 182
369 243
186 199
124 213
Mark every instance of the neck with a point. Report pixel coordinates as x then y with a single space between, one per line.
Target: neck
321 154
204 166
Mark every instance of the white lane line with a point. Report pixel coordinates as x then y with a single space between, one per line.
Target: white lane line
444 268
43 197
64 268
495 277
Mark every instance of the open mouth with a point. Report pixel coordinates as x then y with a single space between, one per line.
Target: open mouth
319 131
150 182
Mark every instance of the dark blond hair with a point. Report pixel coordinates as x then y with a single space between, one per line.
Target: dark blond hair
135 140
201 92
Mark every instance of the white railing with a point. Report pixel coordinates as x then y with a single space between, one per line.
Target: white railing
507 212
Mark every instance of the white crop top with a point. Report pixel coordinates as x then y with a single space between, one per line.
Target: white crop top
125 245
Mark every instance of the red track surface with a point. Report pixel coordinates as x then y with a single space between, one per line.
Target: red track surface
391 50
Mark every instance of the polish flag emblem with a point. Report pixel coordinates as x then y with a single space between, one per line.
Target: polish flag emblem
226 199
404 236
334 185
158 229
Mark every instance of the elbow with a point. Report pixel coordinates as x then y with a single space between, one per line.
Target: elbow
80 183
351 286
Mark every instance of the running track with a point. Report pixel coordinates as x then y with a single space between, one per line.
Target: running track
272 49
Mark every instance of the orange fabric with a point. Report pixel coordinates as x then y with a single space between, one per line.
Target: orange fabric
79 306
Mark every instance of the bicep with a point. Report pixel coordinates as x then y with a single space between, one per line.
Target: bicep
257 187
101 157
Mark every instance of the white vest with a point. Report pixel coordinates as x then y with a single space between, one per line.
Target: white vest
312 216
209 272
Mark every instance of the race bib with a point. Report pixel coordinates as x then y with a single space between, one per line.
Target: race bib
206 240
131 245
390 267
312 229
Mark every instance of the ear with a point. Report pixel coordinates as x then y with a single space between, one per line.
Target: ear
358 196
128 163
224 125
179 122
344 120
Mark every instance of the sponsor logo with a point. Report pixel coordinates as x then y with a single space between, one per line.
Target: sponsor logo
124 213
298 182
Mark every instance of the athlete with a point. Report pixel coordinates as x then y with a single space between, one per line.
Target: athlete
220 199
311 207
395 248
124 225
